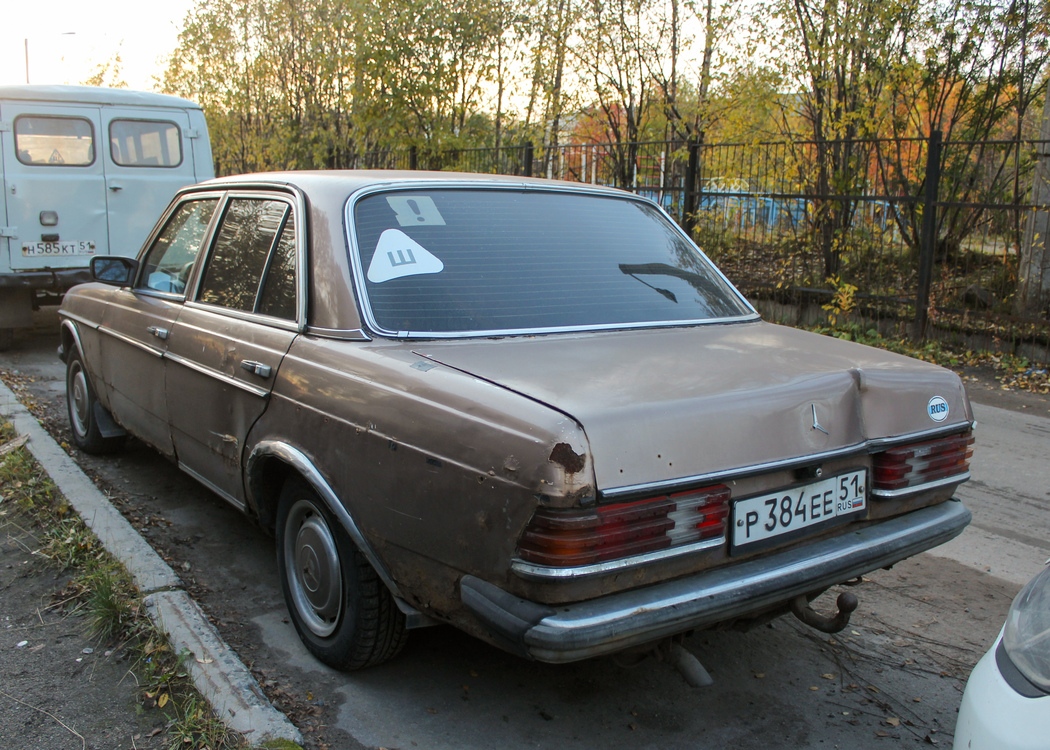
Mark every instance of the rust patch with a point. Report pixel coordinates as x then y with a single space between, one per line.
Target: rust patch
567 458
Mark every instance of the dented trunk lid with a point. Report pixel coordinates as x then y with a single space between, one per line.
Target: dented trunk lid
660 405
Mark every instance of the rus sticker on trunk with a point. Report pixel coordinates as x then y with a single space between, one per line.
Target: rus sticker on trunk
415 210
397 255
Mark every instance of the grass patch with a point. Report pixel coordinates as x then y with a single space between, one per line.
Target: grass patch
101 591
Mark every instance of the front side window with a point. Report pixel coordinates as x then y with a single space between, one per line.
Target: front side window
169 261
46 141
249 241
461 261
145 143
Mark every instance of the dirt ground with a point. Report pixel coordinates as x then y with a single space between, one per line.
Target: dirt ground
60 689
894 677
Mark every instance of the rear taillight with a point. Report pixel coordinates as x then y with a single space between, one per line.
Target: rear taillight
608 532
913 465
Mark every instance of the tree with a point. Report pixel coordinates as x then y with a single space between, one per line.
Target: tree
839 54
318 83
972 73
109 74
1033 292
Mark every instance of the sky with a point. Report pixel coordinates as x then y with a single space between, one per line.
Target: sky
69 39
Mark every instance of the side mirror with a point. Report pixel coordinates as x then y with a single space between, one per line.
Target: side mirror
113 269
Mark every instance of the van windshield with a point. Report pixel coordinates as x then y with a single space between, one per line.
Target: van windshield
478 261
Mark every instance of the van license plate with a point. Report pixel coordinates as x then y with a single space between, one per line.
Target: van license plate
52 249
774 514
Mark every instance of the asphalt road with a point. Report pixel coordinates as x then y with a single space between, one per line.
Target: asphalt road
893 678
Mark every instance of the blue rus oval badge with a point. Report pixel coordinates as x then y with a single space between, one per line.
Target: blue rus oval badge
937 408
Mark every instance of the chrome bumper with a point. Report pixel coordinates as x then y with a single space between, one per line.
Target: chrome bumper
578 631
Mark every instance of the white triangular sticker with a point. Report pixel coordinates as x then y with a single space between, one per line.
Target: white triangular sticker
398 255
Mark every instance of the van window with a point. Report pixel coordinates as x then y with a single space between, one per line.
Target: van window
145 143
54 141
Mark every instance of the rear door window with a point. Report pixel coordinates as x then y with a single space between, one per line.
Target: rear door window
54 141
252 263
145 143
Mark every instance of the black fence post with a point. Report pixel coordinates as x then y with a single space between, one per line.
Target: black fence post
689 199
928 237
527 160
413 158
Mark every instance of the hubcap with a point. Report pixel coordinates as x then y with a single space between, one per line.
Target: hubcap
312 564
79 402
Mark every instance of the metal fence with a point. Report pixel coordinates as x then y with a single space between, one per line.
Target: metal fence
804 225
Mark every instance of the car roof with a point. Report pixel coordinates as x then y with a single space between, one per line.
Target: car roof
336 183
328 192
93 95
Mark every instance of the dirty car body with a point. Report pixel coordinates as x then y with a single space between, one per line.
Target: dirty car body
530 409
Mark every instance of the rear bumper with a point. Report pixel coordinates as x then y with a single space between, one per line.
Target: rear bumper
57 280
578 631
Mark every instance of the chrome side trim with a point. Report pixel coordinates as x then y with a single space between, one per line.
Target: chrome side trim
547 572
220 376
239 504
131 342
78 319
501 332
888 494
877 444
249 317
301 463
867 446
348 334
70 325
570 632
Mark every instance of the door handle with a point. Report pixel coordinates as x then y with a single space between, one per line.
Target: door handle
116 188
258 368
160 333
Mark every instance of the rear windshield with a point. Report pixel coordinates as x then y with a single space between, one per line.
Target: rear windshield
462 261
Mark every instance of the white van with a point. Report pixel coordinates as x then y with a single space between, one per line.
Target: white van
87 171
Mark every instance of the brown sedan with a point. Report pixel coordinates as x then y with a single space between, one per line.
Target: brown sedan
530 409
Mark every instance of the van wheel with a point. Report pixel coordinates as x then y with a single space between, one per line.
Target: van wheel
80 400
7 338
343 613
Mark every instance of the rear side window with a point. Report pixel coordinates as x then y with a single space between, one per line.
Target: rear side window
462 261
46 141
145 143
168 263
278 296
252 262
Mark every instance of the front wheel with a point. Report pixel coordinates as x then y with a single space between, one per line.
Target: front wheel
343 613
80 400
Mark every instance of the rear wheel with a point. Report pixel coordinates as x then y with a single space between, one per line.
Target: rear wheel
342 611
80 400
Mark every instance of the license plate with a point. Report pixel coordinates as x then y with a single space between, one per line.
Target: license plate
801 508
52 249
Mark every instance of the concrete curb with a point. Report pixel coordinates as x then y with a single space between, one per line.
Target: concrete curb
216 670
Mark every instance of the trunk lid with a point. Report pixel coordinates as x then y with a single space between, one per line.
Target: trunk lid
660 405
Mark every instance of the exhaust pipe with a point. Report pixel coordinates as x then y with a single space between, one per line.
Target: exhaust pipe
686 663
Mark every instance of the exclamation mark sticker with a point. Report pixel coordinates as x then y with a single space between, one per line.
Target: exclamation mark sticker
416 210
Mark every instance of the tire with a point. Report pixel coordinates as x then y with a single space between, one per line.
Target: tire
7 338
81 405
343 612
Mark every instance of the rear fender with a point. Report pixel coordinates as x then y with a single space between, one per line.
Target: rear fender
259 466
